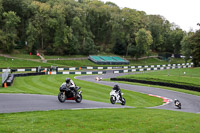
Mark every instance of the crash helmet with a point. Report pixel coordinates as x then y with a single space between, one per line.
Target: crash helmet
176 100
67 80
116 86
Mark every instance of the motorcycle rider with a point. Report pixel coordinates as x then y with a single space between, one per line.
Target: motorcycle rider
70 83
177 103
117 89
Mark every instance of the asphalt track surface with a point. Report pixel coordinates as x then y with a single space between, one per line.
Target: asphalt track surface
10 103
190 103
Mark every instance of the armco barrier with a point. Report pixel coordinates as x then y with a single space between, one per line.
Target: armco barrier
138 67
11 77
28 74
97 72
186 87
150 69
90 68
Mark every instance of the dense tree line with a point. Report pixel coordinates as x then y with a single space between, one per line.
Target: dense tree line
85 27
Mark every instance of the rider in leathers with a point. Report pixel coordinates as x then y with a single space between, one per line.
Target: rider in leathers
117 89
70 83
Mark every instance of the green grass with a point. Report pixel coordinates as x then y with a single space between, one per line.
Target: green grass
25 56
8 62
155 61
85 62
73 63
177 76
157 86
101 120
49 85
20 63
63 57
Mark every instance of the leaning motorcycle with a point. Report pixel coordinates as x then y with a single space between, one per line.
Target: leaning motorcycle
67 94
177 103
115 98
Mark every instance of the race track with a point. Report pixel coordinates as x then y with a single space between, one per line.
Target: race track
190 103
10 103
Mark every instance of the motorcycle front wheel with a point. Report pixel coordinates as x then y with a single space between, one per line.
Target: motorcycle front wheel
78 98
61 97
112 99
123 101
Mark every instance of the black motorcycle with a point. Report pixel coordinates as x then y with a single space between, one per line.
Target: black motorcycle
69 94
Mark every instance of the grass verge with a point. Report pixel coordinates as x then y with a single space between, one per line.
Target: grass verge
20 63
157 86
25 56
155 61
185 76
101 120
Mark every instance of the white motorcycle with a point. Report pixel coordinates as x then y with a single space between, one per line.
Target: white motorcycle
115 98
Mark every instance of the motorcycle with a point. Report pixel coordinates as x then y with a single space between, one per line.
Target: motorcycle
177 103
115 98
67 94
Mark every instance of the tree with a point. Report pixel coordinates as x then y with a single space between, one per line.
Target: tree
120 47
1 7
40 21
143 42
98 17
155 25
9 33
195 41
62 37
88 46
84 26
20 7
162 33
132 21
186 47
176 36
1 11
32 38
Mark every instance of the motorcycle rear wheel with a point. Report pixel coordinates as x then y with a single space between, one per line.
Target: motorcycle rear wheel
61 97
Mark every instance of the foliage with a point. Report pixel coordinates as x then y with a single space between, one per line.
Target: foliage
195 42
143 42
71 27
8 33
175 38
186 47
156 26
